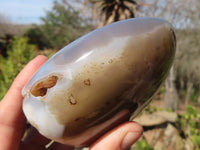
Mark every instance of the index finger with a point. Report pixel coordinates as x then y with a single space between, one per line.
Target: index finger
12 119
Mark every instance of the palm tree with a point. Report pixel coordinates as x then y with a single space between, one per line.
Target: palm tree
115 10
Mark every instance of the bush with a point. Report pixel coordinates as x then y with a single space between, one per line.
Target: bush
189 124
36 36
143 145
18 55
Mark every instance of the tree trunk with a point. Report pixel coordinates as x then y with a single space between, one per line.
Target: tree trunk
198 101
189 91
171 96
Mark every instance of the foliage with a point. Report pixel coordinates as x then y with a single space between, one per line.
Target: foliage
18 55
151 109
194 96
59 27
189 124
143 145
162 89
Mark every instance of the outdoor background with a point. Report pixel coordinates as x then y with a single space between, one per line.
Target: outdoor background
32 27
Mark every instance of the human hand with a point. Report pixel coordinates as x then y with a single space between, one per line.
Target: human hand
13 122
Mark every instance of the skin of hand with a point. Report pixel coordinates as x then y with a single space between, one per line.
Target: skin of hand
13 122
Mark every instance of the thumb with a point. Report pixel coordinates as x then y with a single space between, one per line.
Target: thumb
120 138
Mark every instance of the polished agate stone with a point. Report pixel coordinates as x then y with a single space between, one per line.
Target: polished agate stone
100 80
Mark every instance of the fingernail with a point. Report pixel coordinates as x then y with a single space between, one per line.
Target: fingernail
130 139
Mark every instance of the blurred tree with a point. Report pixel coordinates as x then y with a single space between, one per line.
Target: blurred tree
7 31
60 26
115 10
184 15
37 36
181 13
187 64
4 19
4 38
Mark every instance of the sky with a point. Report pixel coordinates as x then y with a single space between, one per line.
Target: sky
24 11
